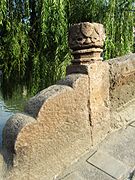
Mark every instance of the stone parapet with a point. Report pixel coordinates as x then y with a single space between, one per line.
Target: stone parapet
64 121
122 90
60 133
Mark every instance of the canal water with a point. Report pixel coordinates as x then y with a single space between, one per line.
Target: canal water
5 113
8 108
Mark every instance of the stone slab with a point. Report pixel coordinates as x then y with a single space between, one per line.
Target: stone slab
121 145
86 171
99 100
82 170
122 90
109 165
77 164
89 172
113 159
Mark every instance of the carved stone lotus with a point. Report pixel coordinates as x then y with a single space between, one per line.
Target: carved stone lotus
85 35
86 41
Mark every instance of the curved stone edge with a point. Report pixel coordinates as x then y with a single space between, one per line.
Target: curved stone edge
16 122
20 120
13 127
34 104
54 122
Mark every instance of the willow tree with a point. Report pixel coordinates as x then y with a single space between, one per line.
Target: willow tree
50 44
14 45
33 37
119 21
117 17
33 43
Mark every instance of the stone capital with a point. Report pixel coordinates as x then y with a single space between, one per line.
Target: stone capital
86 41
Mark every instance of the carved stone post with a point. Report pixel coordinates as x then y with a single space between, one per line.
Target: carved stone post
86 41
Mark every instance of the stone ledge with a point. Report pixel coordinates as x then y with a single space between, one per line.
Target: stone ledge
60 127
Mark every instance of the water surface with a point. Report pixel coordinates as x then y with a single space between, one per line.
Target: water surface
5 113
8 108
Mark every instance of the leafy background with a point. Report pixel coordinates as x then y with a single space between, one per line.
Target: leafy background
33 38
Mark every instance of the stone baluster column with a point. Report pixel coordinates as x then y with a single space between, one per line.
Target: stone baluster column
86 42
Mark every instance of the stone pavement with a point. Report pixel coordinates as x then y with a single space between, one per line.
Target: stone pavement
113 159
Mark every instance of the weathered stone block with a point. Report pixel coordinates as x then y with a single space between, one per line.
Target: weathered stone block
122 90
60 133
99 104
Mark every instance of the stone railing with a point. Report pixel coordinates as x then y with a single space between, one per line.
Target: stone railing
66 120
122 90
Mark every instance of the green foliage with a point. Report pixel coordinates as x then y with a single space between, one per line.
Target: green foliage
52 42
119 28
33 37
2 10
116 17
33 44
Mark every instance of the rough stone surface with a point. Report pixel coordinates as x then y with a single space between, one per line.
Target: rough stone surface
34 104
86 35
13 127
86 40
60 134
99 105
123 116
122 86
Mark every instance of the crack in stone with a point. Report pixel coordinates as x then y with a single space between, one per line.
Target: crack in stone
101 170
89 110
